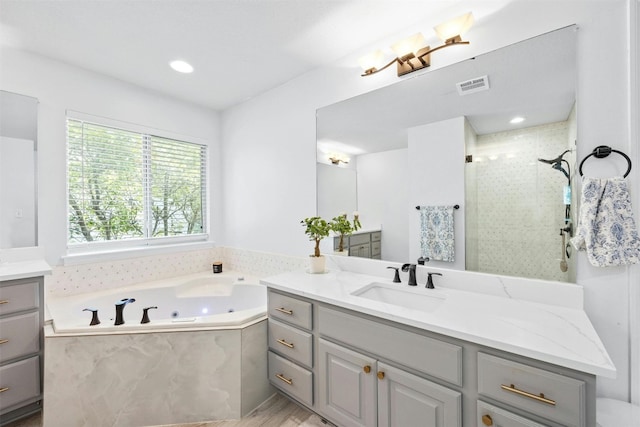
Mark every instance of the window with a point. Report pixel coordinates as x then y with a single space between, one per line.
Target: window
126 185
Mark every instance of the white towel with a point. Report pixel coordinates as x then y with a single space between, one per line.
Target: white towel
436 233
606 229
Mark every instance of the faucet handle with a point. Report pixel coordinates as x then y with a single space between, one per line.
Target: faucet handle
396 277
430 280
94 316
145 314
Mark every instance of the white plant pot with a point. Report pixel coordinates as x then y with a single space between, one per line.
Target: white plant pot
317 264
342 253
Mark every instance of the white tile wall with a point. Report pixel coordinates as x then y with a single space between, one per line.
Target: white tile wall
518 200
77 279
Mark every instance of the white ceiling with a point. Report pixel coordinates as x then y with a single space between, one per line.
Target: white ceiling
239 48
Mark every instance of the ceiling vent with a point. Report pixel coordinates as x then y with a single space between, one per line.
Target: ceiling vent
474 85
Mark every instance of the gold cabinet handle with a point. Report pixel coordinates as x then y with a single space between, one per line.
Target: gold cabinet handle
4 341
487 420
283 379
538 397
286 344
285 311
367 369
380 375
3 389
4 301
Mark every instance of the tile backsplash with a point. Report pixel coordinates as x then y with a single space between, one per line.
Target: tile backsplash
98 276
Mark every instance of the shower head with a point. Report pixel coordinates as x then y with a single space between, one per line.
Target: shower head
558 166
556 160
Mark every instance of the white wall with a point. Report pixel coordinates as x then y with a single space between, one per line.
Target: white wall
337 190
265 201
436 174
58 88
383 199
17 193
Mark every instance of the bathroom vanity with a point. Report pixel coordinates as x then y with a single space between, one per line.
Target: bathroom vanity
365 244
21 339
362 351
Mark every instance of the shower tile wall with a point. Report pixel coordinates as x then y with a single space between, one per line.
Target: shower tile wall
515 203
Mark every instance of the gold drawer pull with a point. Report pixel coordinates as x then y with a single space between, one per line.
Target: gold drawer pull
4 301
286 344
286 380
3 389
380 375
367 369
285 311
4 341
539 397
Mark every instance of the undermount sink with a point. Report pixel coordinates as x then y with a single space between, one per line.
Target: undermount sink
413 298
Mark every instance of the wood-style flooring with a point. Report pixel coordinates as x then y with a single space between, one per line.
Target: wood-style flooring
278 411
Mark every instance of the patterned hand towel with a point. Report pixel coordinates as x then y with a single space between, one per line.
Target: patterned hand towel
606 229
436 233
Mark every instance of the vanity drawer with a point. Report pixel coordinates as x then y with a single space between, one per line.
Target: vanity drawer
14 298
547 394
375 248
291 378
289 309
19 335
431 356
19 381
376 236
359 239
291 342
489 415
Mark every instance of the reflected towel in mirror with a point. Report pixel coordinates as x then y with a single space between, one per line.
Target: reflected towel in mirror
606 228
436 233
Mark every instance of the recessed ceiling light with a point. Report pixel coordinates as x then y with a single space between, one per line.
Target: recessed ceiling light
181 66
516 120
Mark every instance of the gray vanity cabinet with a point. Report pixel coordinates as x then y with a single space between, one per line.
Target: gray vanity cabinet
360 370
21 315
362 245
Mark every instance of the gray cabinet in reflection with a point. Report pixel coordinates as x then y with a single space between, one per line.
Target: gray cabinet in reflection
364 245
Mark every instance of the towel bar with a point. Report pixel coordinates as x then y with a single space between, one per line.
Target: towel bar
602 151
454 207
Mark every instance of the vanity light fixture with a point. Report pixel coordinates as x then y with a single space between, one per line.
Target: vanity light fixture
412 53
181 66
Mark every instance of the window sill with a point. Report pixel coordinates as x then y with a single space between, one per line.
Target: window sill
131 252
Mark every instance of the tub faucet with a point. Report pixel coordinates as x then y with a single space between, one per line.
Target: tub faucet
411 268
120 308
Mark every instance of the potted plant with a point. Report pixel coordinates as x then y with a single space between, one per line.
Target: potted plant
317 229
343 227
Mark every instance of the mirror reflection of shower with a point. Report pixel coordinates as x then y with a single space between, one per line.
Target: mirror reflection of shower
507 188
557 164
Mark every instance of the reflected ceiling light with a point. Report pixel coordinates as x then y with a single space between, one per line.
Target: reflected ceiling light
412 53
337 158
181 66
516 120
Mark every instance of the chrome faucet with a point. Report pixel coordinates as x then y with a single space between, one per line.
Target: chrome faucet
120 308
430 280
411 268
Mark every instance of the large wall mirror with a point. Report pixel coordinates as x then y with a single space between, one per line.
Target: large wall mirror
18 145
425 141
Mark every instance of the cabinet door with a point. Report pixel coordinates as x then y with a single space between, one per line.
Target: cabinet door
347 386
406 400
362 251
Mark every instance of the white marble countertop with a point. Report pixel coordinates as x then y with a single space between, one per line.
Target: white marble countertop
556 334
22 269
